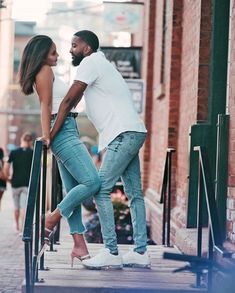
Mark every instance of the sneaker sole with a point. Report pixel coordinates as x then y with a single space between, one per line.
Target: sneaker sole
134 265
117 267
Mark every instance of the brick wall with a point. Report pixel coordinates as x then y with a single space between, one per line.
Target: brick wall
148 57
188 100
179 100
194 90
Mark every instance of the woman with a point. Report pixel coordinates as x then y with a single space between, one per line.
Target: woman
2 176
77 170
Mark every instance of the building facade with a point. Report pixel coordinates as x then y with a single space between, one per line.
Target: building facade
6 65
189 73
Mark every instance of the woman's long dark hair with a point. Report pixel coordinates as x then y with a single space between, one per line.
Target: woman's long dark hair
33 58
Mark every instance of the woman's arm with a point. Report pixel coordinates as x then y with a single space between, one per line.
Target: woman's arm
44 86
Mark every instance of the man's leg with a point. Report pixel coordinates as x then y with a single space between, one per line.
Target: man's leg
16 201
119 154
23 205
133 189
115 161
1 194
17 219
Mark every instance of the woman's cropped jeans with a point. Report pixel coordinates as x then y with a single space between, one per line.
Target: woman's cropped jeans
122 160
78 173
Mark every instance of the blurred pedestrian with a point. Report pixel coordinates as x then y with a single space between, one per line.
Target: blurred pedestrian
122 133
20 160
77 170
3 183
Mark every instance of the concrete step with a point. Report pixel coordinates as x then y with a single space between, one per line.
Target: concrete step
61 278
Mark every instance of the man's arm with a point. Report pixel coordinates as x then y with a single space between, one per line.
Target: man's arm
70 101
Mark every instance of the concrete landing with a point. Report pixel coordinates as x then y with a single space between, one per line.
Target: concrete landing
61 278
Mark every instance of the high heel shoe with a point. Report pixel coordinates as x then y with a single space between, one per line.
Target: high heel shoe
48 235
80 258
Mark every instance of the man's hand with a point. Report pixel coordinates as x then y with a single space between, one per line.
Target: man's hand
71 100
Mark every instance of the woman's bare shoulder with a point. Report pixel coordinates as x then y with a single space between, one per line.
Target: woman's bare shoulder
45 73
45 69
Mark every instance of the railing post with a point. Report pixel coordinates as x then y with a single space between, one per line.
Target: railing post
43 202
166 199
199 219
30 235
210 256
59 198
36 233
169 198
28 266
56 189
163 201
222 169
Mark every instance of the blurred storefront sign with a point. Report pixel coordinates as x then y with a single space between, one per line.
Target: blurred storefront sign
128 63
123 16
126 60
136 87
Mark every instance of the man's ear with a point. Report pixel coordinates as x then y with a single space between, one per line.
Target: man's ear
87 50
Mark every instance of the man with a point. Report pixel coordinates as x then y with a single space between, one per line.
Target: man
122 133
21 160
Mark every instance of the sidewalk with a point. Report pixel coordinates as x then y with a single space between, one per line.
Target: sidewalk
11 249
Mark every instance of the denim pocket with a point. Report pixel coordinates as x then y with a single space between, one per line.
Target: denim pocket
134 141
116 143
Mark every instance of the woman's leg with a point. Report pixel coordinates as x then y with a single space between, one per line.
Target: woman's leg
73 155
75 221
80 178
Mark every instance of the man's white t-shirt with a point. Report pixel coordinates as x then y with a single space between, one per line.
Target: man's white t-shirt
109 104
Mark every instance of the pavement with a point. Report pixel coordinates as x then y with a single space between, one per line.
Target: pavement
11 248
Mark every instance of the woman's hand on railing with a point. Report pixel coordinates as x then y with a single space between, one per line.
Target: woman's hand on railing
46 141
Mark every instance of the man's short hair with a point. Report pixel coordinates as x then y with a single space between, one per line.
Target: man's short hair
27 136
90 38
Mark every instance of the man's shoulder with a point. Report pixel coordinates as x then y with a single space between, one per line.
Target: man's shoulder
15 151
21 150
94 56
29 150
14 154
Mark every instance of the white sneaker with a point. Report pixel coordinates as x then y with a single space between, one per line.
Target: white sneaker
136 260
103 260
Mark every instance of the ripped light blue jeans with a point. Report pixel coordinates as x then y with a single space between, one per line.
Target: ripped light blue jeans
78 173
122 160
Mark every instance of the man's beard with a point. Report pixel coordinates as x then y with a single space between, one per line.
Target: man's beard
77 59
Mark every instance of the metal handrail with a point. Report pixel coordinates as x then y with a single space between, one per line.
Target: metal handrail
33 233
215 243
166 197
31 255
205 182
